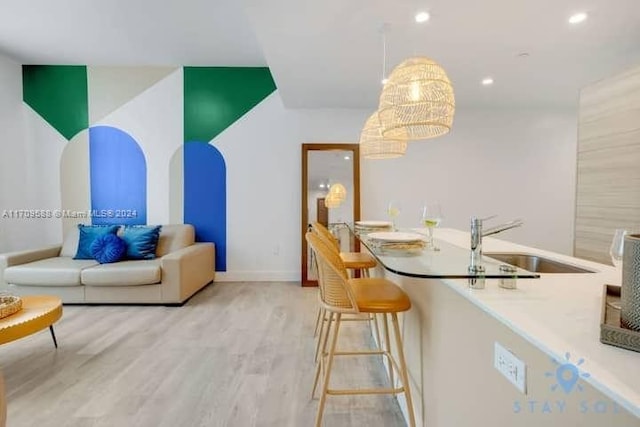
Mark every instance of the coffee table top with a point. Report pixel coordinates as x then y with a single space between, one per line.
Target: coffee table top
38 312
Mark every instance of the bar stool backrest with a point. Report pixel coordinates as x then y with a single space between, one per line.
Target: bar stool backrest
336 293
324 232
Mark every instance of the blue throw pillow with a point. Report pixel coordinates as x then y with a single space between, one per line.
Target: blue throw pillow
141 241
108 248
88 233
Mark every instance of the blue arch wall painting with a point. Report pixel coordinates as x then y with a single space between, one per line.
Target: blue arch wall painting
118 172
205 196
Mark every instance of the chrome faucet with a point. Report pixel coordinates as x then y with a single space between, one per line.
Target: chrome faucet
477 234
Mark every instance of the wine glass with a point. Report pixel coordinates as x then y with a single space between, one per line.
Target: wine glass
393 210
431 218
617 246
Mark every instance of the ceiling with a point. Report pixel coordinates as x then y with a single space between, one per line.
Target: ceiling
328 53
128 32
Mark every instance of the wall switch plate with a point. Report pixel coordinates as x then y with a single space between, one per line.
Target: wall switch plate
510 367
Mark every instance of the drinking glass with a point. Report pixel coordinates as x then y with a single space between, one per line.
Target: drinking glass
617 246
393 210
431 218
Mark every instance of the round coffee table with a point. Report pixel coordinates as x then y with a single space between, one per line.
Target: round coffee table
38 312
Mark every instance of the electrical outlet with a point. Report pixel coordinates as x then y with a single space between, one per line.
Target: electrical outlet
510 367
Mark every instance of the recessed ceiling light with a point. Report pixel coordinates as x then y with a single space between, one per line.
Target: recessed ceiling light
321 185
384 81
347 158
578 18
422 17
488 81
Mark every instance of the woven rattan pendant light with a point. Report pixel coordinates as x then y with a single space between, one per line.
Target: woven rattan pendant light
374 146
330 201
338 191
417 102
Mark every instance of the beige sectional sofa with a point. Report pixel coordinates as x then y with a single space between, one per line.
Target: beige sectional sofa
180 269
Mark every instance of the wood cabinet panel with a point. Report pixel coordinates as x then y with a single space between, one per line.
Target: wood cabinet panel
608 181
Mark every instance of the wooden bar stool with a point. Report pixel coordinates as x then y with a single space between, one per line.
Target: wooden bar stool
354 261
341 295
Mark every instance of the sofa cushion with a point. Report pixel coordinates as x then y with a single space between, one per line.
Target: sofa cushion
70 244
123 273
141 240
88 233
174 237
58 271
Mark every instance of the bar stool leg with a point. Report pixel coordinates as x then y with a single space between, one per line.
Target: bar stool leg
376 329
387 348
327 375
318 317
323 314
325 339
321 354
322 340
403 370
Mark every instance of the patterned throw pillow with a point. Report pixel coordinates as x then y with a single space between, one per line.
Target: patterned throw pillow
108 248
88 233
141 240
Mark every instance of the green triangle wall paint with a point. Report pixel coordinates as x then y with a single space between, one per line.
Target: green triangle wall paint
59 94
215 97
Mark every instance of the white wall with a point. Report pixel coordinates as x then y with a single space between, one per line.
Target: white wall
262 151
14 190
515 164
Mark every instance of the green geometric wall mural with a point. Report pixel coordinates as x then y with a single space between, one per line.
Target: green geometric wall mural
215 97
59 94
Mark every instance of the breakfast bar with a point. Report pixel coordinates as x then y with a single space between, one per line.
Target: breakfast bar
550 322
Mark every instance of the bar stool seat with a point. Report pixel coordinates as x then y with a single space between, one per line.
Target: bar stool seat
358 260
377 295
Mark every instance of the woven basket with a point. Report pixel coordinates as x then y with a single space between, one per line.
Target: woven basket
630 299
9 305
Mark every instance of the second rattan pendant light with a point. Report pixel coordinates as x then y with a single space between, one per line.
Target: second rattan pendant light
417 102
338 191
331 201
374 146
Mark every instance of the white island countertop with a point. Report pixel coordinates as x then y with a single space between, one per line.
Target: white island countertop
559 314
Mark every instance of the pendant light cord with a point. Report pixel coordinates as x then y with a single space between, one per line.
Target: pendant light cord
384 29
384 55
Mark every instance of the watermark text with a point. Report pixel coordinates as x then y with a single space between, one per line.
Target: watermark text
67 213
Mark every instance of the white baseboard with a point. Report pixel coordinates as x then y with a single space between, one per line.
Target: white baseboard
257 276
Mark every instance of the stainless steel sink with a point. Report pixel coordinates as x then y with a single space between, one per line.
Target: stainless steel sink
535 263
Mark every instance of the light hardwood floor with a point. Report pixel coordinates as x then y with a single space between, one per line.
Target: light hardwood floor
237 354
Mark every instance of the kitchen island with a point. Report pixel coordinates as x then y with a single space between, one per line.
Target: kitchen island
547 322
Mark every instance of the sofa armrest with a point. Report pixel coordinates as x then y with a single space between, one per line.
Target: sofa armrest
187 270
23 257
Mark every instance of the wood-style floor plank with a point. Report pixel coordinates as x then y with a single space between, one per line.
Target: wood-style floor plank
236 355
